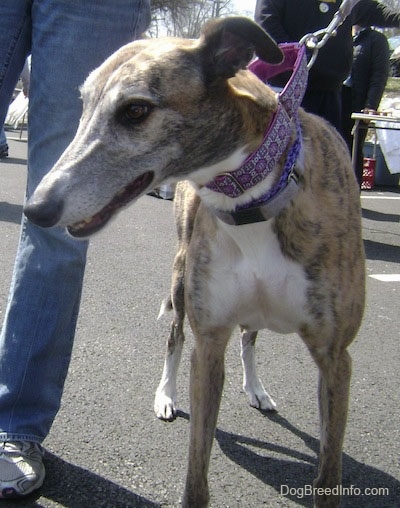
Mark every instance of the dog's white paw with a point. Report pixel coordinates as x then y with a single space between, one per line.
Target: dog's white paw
260 399
165 407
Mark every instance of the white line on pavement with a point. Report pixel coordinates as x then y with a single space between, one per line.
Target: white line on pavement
380 197
386 277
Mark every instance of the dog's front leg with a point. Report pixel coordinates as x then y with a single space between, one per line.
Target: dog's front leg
333 396
166 399
258 396
206 384
166 395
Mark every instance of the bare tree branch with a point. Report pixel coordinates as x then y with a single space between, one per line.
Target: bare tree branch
184 18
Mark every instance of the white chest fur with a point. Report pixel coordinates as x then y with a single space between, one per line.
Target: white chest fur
251 283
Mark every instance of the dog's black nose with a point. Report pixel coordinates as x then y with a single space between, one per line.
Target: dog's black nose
44 212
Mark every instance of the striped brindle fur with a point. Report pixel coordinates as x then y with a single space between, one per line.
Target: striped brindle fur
177 110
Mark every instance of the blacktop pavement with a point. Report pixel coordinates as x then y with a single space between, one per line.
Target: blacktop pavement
106 447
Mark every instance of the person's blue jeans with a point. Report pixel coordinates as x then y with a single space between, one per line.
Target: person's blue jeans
3 138
67 39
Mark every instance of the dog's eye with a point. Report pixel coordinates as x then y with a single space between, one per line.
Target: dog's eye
133 113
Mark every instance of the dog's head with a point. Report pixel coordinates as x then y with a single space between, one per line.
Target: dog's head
158 110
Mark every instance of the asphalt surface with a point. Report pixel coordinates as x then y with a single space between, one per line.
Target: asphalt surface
106 447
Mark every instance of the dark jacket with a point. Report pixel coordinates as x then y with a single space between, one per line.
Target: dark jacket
370 69
289 20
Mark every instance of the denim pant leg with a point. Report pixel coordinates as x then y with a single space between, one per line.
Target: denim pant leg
15 41
3 138
69 39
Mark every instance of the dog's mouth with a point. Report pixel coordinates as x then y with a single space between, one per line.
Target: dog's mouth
91 225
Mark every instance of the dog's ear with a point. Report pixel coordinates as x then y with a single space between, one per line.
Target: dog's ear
228 44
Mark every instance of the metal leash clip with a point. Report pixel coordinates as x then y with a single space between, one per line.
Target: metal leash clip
315 41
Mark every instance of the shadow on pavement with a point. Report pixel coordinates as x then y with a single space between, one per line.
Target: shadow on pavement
382 251
380 216
10 212
14 160
299 469
71 486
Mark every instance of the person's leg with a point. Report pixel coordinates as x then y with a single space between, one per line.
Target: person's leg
15 41
362 134
14 47
69 39
325 103
347 110
3 144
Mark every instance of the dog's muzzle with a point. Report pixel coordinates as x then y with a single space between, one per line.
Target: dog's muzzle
49 206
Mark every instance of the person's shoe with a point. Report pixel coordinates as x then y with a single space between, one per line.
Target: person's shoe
3 151
21 468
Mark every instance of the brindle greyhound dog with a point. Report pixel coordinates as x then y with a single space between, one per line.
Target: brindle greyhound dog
274 244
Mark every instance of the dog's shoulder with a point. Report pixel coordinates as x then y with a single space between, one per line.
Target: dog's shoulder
321 228
326 160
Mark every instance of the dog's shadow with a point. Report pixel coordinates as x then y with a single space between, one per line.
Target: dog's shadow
380 216
299 469
382 251
74 487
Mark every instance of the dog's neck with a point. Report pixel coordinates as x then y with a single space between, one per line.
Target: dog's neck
279 134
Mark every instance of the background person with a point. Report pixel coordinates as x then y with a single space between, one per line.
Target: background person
363 90
290 20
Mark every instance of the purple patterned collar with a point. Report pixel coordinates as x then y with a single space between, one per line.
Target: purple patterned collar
277 137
